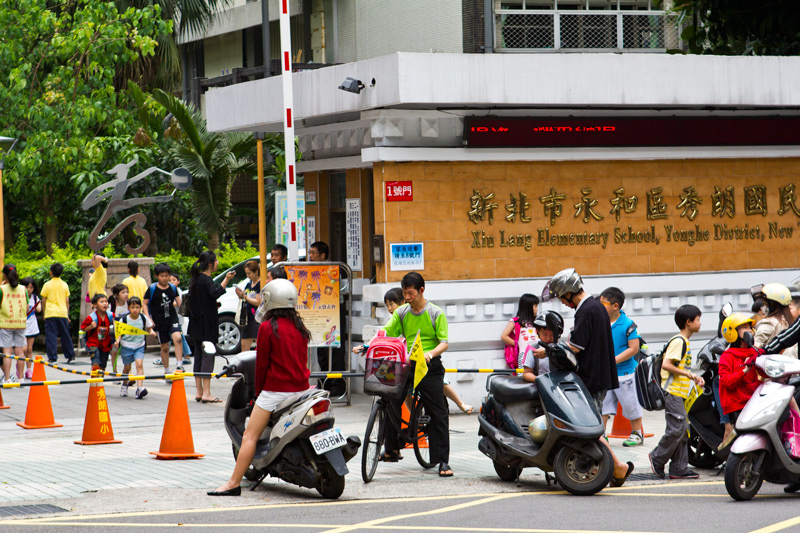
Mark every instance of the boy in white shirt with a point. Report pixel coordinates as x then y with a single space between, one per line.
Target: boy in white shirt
131 347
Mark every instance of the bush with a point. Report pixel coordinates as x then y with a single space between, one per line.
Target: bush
227 255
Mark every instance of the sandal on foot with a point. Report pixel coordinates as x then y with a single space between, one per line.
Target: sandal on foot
445 470
198 398
466 408
391 457
619 481
215 400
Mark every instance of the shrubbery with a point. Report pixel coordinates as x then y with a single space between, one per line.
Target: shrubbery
37 265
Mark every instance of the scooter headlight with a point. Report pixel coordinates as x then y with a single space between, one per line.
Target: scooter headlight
774 369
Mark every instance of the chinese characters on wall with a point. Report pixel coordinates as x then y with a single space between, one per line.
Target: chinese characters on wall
554 205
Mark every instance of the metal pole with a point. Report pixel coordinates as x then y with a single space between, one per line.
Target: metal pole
488 27
288 131
262 217
265 44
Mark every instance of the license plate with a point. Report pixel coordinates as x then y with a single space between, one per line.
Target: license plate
328 440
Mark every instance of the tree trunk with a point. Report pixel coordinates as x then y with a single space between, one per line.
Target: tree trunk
7 230
50 229
213 241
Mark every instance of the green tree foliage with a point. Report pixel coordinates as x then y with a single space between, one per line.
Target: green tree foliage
734 27
57 68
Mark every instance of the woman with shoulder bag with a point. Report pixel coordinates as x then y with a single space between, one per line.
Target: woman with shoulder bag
251 299
526 314
204 320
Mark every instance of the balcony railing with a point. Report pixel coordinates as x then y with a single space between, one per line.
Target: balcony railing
610 31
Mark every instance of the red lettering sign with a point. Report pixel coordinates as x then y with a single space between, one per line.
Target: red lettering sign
399 191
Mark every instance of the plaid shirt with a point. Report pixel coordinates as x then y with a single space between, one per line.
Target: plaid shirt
261 312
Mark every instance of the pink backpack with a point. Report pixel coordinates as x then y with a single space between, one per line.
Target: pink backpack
512 352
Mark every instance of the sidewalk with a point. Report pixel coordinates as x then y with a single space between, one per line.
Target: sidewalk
45 464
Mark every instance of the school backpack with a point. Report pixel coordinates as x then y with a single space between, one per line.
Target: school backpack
110 316
647 375
512 352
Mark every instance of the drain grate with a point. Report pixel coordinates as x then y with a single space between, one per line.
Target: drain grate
644 476
25 510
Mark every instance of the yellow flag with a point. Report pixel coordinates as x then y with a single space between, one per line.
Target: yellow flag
121 328
418 356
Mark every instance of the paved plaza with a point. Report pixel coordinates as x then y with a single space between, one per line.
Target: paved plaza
44 466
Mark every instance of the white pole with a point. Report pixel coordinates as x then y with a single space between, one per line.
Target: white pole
288 130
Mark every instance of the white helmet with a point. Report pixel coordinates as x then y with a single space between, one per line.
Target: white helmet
563 282
278 294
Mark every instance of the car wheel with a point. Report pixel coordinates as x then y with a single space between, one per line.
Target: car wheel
230 336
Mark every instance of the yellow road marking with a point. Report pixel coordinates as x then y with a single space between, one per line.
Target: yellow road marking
377 521
779 526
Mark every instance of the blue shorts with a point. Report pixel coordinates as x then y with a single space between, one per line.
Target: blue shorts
129 354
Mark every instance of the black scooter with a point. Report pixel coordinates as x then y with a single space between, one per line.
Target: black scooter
705 430
551 424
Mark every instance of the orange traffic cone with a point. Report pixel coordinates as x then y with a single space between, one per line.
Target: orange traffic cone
622 426
406 415
2 405
176 438
39 413
97 424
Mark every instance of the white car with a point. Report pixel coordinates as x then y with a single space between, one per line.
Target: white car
230 336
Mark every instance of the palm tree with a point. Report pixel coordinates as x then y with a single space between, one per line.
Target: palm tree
215 160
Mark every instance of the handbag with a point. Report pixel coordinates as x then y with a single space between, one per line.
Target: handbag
186 307
241 314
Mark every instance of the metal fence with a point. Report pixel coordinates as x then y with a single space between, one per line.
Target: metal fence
529 30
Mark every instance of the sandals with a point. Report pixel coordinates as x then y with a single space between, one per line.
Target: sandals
215 400
619 481
391 457
445 470
466 408
198 399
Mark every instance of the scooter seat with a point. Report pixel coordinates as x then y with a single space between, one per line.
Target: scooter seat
291 400
512 389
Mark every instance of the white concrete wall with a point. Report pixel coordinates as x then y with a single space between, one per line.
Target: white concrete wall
512 80
477 311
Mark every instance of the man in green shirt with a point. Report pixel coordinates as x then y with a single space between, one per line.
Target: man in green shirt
419 315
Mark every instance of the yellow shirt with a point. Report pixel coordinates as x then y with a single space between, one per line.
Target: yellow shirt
98 280
678 385
57 293
137 286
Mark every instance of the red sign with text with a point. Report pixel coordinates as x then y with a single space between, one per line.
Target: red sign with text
399 191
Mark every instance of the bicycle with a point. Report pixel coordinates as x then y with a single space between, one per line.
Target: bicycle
415 432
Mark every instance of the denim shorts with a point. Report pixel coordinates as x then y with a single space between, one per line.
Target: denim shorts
130 354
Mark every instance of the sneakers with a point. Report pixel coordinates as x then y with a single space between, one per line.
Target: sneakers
29 374
123 390
141 393
178 369
157 361
657 470
635 439
689 474
791 488
186 361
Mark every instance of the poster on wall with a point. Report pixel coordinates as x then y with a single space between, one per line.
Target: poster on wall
353 223
318 302
406 256
282 219
311 229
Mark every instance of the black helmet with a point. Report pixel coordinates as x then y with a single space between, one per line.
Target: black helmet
552 321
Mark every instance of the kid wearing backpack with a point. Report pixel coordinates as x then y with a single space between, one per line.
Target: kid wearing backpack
131 347
99 328
677 380
159 307
520 335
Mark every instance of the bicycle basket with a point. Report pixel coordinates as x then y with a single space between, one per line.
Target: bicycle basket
385 377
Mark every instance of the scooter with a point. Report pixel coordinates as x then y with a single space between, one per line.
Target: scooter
706 432
551 424
301 444
758 452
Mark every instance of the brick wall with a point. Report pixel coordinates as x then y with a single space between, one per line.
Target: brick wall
438 216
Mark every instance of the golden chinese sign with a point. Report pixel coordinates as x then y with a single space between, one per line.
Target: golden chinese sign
734 213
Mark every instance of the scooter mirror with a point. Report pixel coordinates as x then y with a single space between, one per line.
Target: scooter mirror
209 348
727 309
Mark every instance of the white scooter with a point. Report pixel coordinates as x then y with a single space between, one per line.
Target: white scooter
758 452
301 444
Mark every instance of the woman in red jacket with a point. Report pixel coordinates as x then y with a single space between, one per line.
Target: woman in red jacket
737 377
281 370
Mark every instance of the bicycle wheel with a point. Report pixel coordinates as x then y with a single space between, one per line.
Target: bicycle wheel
373 442
419 434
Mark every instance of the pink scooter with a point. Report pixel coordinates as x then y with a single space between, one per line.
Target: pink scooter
758 453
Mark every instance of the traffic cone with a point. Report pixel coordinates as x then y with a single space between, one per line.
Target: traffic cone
39 413
2 405
622 426
97 424
406 415
176 438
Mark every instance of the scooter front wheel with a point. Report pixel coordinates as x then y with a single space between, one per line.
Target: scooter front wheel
741 480
579 473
